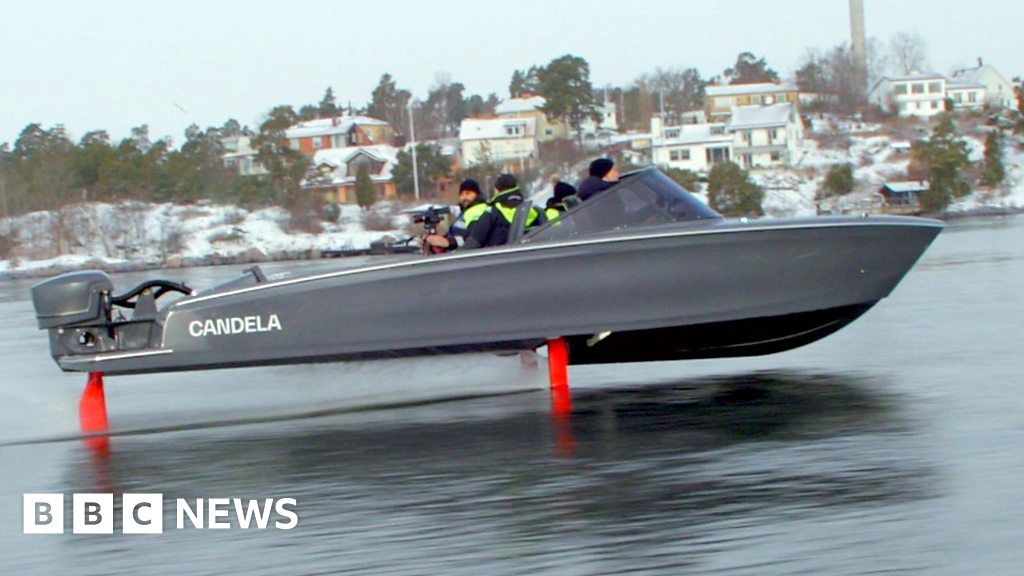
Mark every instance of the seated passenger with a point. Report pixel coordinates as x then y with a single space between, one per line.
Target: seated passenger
473 204
493 228
603 175
556 204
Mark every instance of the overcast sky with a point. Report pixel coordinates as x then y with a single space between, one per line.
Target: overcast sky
103 64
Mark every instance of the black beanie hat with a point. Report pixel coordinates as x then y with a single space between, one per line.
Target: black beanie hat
469 184
562 190
505 182
601 167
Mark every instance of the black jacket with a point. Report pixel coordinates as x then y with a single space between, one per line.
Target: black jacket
592 186
492 229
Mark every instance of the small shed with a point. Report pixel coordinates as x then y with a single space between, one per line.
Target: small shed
903 197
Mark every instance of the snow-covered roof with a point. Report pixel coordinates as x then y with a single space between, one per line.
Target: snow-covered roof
491 128
759 88
517 105
750 117
907 186
338 158
330 126
915 76
693 134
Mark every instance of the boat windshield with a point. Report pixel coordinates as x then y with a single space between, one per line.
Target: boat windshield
640 200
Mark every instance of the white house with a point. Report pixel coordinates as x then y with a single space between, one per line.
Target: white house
918 94
239 154
608 123
511 142
966 95
999 93
695 147
765 136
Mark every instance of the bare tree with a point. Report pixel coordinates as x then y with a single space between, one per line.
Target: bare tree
909 51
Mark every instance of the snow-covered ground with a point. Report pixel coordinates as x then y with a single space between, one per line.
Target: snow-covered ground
129 235
133 235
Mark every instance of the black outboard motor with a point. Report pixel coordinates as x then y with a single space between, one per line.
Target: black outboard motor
76 308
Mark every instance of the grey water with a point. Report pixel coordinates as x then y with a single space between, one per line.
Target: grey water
893 446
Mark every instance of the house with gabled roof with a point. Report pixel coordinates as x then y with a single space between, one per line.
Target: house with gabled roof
333 172
999 93
343 131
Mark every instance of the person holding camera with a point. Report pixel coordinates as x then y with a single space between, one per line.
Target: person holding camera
473 205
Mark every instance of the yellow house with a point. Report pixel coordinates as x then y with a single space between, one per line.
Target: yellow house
529 106
720 100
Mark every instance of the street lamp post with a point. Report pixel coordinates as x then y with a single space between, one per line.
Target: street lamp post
415 170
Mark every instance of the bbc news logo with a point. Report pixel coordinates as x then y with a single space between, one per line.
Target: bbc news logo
144 513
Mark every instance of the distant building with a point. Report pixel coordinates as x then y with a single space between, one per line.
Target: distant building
765 136
720 100
903 197
609 121
529 106
338 132
966 95
695 147
998 92
333 172
510 141
239 155
920 94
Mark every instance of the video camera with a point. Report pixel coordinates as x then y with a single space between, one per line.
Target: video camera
431 217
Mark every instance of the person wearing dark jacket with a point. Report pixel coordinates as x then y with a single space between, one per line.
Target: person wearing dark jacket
556 204
473 204
603 175
494 226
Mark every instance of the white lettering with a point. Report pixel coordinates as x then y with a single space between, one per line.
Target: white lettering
233 325
218 509
293 517
274 323
195 517
253 510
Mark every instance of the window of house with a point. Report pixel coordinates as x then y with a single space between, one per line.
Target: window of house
958 97
972 96
548 131
295 143
935 87
318 143
684 154
514 130
935 105
777 134
717 130
899 89
917 88
673 155
776 156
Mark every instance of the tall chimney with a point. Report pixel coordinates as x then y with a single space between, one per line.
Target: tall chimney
858 41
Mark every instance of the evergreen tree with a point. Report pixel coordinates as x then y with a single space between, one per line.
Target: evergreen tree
388 102
750 69
328 107
944 157
839 180
686 178
994 173
732 193
565 85
431 167
524 82
285 166
366 192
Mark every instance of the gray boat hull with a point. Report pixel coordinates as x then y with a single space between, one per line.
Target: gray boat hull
695 290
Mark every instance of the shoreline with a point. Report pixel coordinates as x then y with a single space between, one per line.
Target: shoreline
256 256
